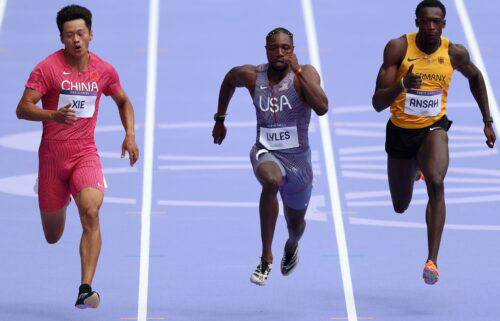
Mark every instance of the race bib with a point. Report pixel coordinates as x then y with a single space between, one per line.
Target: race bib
279 137
83 102
423 103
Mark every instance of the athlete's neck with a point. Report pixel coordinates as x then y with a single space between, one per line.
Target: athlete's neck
426 47
79 63
275 76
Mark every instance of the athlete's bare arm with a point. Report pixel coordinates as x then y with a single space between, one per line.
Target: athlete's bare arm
127 117
27 109
242 76
307 83
387 88
460 60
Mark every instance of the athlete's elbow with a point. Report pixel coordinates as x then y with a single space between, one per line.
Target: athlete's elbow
19 112
377 104
321 109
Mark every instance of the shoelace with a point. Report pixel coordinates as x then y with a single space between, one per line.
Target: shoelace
263 267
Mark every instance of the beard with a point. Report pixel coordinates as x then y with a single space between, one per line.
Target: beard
281 67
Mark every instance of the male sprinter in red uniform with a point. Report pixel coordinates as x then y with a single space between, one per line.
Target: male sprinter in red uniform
70 83
414 81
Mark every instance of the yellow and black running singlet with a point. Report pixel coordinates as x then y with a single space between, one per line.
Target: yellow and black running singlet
417 108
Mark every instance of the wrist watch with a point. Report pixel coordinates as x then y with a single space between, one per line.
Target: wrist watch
488 120
218 117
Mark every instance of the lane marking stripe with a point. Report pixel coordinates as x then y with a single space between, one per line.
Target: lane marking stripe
330 167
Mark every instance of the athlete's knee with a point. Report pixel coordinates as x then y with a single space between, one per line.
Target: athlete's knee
53 237
271 183
435 186
90 217
296 223
400 206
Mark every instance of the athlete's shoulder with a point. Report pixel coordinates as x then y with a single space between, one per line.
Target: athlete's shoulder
100 63
399 44
53 60
249 69
395 50
458 54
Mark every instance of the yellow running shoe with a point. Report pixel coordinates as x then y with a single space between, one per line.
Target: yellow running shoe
431 273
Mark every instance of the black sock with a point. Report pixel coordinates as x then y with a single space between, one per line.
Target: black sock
84 288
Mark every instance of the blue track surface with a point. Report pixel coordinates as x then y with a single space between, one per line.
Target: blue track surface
205 238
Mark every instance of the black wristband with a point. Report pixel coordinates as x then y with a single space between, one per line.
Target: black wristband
218 117
488 120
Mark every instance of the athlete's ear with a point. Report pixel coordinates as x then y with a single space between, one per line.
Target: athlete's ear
444 23
91 35
416 22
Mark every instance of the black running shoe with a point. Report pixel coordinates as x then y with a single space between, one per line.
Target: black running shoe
88 300
261 273
289 261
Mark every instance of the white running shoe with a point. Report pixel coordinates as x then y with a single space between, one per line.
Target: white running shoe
261 273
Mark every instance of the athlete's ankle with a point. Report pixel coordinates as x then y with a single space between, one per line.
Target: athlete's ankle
291 246
267 258
84 288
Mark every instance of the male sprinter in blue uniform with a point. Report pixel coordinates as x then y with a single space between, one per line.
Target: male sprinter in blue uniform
283 93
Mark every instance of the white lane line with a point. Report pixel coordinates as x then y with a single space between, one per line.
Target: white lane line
208 204
449 200
147 183
369 109
204 158
361 150
120 200
421 191
453 154
3 5
330 169
383 177
359 133
364 124
210 124
388 223
204 167
315 210
478 60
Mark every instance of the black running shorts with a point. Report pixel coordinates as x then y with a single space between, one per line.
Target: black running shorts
404 143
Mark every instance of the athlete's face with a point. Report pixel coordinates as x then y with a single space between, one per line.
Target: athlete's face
76 37
278 46
430 23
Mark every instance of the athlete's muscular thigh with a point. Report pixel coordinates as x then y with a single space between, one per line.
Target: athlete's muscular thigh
433 156
269 174
401 174
53 224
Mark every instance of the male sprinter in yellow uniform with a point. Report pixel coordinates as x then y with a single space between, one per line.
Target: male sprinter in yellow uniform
413 80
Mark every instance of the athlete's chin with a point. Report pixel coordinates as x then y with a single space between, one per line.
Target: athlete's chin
279 66
432 39
77 53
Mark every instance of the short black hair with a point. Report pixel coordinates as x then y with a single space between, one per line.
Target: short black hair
275 31
430 3
73 12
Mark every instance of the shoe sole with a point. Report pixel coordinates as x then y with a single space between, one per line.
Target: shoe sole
430 277
90 302
259 283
